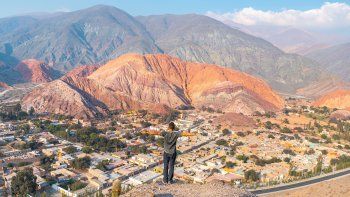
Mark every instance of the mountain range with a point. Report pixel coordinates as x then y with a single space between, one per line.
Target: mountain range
101 33
154 82
335 59
289 39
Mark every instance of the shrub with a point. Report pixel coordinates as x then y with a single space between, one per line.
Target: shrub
288 152
242 158
226 132
221 142
286 130
230 164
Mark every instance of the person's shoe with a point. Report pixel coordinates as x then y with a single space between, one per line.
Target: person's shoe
172 182
164 182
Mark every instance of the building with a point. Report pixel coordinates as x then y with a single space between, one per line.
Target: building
228 178
63 174
144 177
143 159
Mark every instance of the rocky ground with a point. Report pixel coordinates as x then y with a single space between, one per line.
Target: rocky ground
335 187
216 189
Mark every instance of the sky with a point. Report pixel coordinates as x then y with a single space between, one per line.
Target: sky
324 15
149 7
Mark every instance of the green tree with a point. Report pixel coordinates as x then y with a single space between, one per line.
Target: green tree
70 149
17 108
46 161
31 111
230 164
24 183
251 175
102 165
25 128
81 163
87 150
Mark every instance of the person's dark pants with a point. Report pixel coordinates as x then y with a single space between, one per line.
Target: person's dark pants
169 164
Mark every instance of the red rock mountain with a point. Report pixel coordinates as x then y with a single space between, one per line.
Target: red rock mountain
321 88
154 82
35 71
339 99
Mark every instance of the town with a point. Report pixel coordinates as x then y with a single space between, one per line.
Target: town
71 157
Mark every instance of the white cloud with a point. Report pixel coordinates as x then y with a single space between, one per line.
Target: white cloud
329 15
62 9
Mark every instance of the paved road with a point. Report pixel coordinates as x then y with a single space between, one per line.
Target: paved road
301 184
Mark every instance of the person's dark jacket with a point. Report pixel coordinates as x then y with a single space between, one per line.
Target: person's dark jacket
170 139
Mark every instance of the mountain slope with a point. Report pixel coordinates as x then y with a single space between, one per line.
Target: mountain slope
318 89
7 74
339 99
152 82
162 77
335 59
293 40
14 71
81 71
203 39
58 97
83 37
36 71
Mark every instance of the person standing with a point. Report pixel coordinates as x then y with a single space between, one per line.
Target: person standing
169 153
